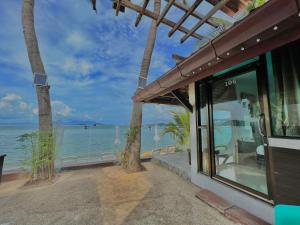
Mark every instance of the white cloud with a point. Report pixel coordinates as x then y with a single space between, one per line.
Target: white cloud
59 108
76 39
23 105
77 67
11 98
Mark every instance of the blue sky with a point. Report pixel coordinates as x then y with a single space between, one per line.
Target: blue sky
92 61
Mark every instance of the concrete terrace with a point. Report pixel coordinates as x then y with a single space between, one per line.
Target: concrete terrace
107 196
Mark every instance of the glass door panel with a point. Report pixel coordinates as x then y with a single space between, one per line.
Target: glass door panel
204 128
238 144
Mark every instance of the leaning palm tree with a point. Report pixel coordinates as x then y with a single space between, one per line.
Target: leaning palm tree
179 128
131 160
46 169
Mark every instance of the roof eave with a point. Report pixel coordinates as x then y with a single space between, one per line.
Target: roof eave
273 13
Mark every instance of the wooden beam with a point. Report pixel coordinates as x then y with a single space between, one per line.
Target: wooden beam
207 16
118 7
139 17
178 58
185 16
183 101
154 16
232 7
164 12
197 15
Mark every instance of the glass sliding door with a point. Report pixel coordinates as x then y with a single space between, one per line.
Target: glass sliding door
239 150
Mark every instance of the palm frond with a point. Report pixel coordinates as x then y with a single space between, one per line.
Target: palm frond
179 128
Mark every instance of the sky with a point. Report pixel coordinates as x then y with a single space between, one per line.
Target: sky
92 61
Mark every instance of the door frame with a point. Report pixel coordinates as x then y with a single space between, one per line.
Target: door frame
261 78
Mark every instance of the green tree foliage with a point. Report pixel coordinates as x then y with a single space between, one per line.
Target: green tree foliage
179 128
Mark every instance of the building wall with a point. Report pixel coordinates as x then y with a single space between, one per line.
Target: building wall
255 206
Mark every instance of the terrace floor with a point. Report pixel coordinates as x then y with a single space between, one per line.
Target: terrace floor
107 196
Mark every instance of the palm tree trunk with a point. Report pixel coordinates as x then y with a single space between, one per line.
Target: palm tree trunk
132 152
42 92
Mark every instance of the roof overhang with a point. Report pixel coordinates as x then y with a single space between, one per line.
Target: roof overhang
250 37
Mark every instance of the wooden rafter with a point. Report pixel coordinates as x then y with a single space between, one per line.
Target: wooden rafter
183 101
118 7
152 15
194 14
185 16
139 17
207 16
233 6
164 12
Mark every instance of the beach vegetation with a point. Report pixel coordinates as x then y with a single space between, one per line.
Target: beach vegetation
179 128
40 149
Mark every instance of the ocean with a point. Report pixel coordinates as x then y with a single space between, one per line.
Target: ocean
77 144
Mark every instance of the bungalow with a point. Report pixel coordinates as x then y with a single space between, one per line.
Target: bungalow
243 92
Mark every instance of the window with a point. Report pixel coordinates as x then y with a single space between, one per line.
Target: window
284 90
203 129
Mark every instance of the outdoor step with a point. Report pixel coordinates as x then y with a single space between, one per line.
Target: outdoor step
213 200
231 211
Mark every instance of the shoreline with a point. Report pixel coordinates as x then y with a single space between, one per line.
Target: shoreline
17 174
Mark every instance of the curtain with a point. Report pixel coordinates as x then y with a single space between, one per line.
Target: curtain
284 88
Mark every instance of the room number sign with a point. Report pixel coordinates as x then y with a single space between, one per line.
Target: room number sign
230 82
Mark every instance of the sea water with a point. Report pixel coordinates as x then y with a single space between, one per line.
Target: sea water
77 143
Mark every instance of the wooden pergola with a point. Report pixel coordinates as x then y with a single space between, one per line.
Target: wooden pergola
230 7
273 25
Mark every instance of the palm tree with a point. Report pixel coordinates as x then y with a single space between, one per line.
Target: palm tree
179 128
42 92
131 160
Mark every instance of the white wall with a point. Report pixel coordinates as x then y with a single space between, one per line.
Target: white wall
255 206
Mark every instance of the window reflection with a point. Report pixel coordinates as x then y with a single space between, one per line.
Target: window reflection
238 146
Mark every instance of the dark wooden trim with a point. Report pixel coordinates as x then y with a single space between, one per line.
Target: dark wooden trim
198 134
262 76
183 101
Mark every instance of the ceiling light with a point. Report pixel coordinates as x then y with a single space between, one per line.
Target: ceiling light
242 49
275 28
209 64
258 40
228 53
218 58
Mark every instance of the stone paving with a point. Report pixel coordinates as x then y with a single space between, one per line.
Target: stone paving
177 162
107 196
